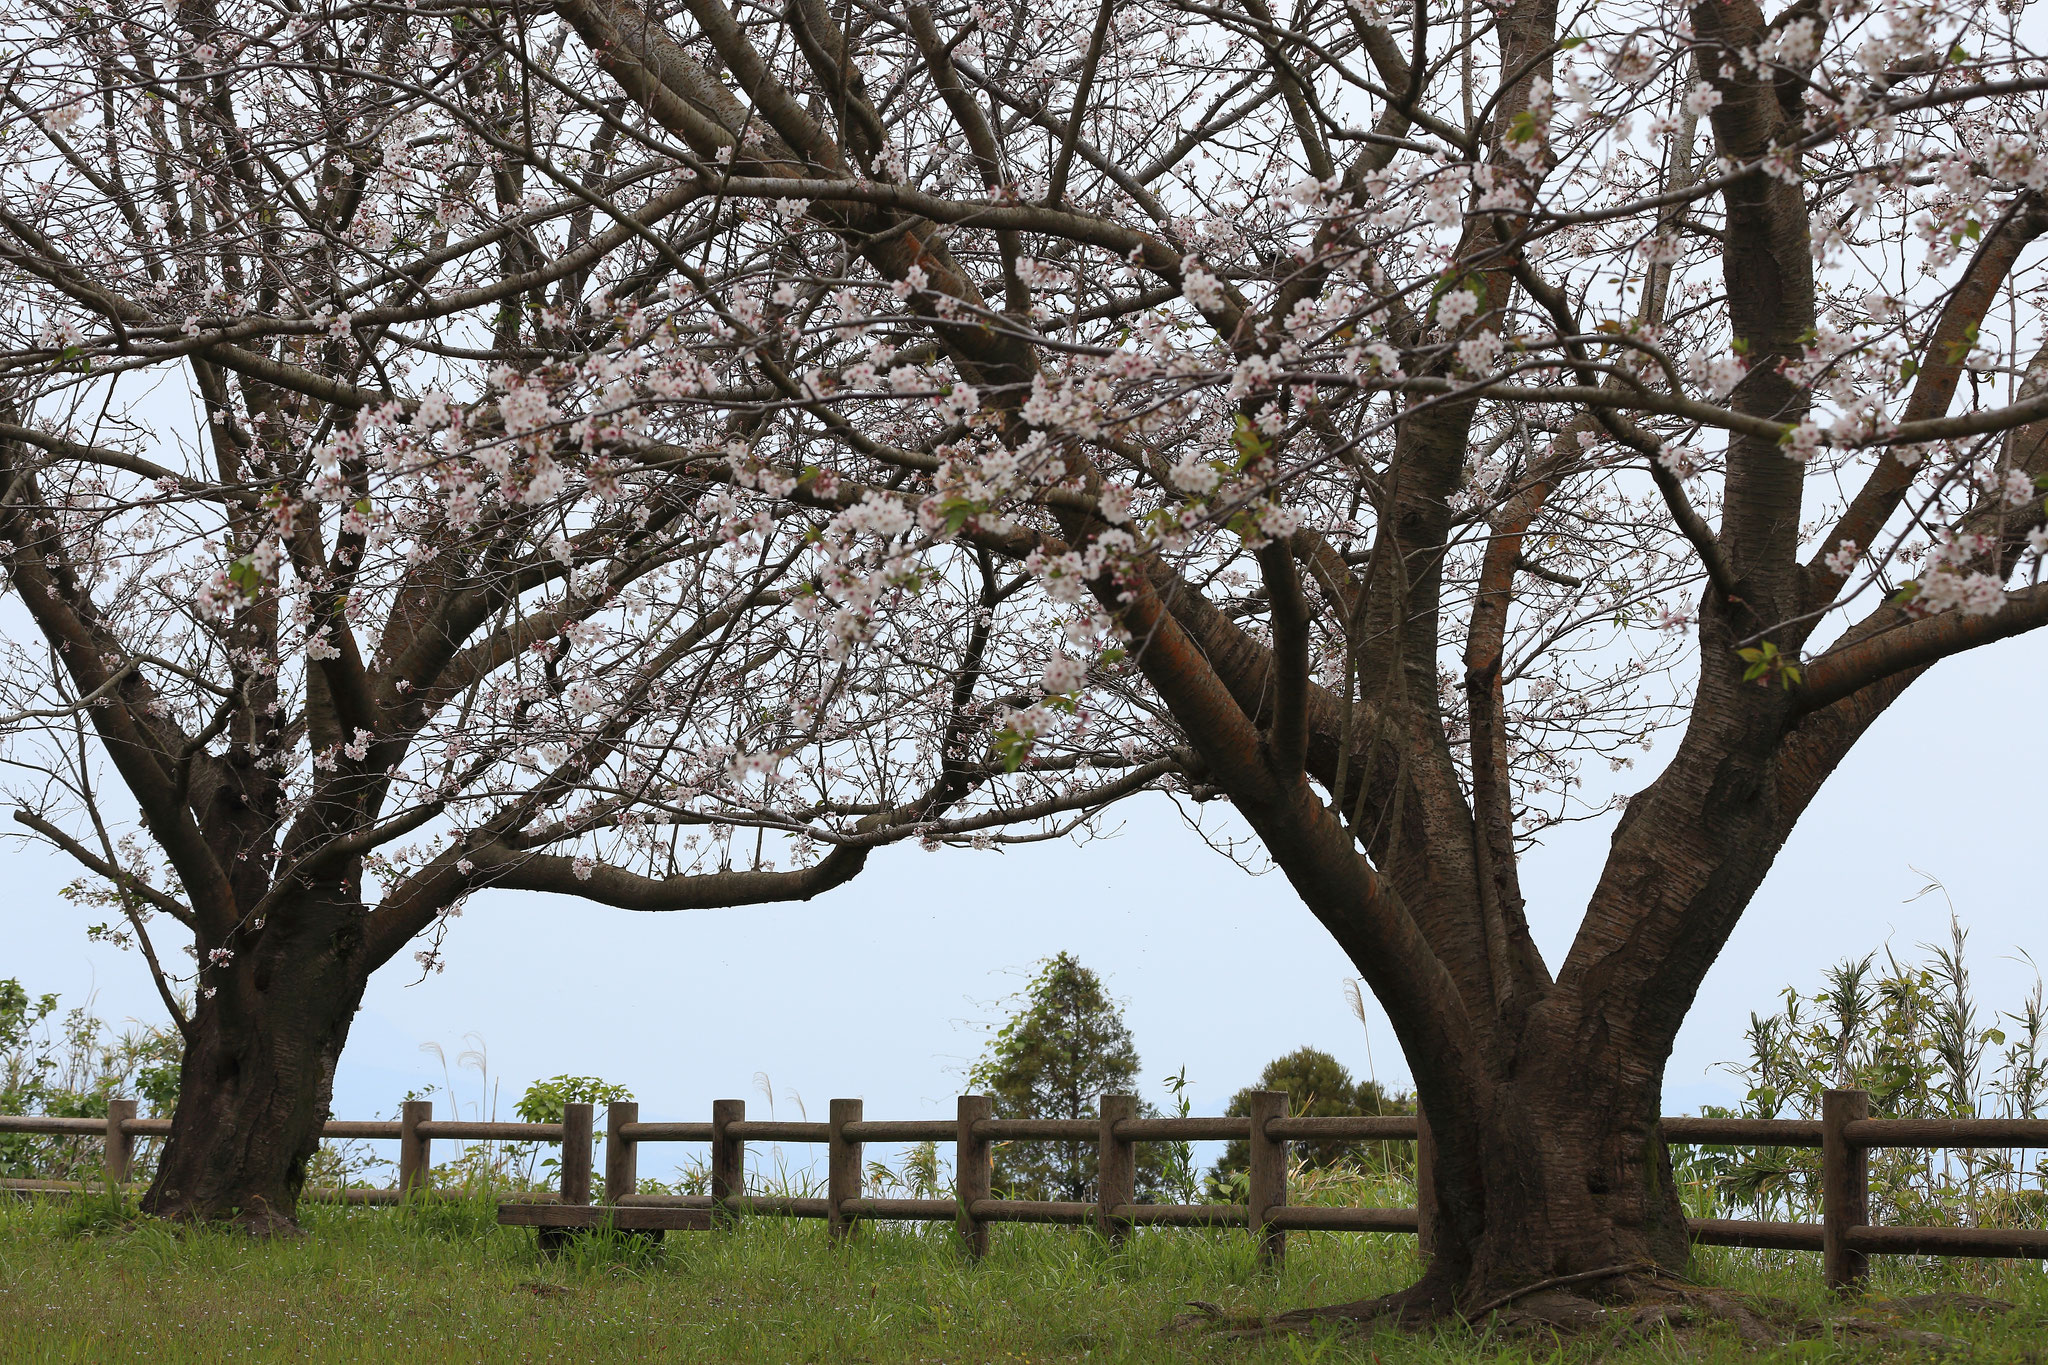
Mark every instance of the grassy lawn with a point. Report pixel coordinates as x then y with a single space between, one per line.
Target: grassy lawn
444 1283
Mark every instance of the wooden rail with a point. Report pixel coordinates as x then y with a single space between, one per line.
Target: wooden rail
1845 1134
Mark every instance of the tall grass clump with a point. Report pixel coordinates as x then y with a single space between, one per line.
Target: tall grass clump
1912 1033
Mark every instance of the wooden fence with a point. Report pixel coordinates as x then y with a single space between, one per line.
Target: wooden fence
1845 1134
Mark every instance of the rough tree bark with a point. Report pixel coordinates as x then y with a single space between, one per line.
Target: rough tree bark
259 1067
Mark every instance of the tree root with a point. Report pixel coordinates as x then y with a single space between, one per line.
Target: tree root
1944 1301
1559 1282
261 1221
1417 1306
1757 1320
266 1223
1638 1299
1406 1309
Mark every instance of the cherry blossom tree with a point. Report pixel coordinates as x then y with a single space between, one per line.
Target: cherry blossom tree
378 530
1379 411
1432 399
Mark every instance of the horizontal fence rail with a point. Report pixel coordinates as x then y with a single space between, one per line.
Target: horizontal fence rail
1845 1134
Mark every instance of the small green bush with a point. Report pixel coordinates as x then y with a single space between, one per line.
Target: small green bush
68 1065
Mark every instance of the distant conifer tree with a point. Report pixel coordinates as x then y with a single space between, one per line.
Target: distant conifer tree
1063 1049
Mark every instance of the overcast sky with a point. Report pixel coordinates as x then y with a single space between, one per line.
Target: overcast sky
875 989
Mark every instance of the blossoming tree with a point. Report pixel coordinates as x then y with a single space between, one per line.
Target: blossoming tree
1432 398
373 537
1390 409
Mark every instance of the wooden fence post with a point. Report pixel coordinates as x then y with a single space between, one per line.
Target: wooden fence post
1844 1189
120 1149
973 1172
1116 1169
728 1160
621 1153
842 1167
578 1123
1267 1175
1425 1185
415 1149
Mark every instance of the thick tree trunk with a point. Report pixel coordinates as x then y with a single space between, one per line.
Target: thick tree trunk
1555 1179
258 1073
1558 1171
1569 1176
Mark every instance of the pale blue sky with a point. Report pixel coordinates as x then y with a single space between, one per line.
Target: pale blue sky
873 989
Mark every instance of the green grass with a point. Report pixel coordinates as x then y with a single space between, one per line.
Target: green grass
446 1284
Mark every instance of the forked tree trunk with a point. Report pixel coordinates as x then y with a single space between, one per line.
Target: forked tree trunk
258 1075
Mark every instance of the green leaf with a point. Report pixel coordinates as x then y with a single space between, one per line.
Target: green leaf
1011 748
1246 441
1765 662
1447 282
957 511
